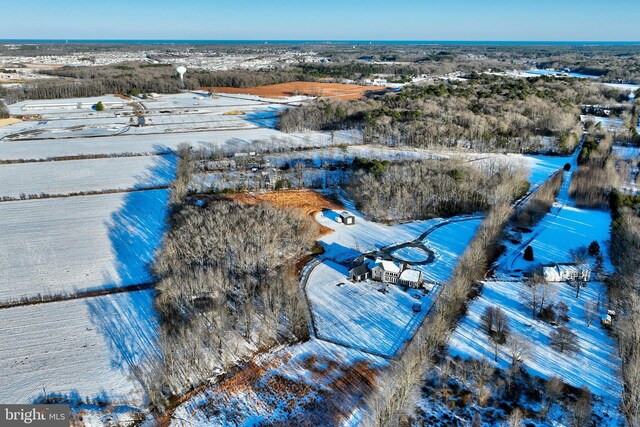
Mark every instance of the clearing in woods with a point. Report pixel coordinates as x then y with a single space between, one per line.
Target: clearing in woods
307 202
323 90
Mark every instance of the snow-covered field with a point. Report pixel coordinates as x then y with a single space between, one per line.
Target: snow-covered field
596 365
239 140
56 246
67 177
80 349
563 230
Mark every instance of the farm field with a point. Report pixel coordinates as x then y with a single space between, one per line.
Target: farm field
240 140
306 202
92 175
316 89
80 350
59 246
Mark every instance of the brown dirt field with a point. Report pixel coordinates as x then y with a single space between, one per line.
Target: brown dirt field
281 90
7 122
307 202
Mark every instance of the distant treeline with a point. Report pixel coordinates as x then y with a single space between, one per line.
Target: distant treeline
136 78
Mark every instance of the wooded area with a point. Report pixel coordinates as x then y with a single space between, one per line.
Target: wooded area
433 188
486 113
227 287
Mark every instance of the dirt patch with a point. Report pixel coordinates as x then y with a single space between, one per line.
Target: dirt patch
323 90
325 392
307 202
7 122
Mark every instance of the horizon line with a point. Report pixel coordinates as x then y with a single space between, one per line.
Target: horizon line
312 40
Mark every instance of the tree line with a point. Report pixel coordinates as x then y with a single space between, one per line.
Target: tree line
596 176
135 79
624 293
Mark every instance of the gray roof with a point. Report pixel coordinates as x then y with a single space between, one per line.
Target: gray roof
360 270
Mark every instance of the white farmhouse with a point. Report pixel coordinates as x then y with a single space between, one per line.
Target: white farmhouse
566 272
385 271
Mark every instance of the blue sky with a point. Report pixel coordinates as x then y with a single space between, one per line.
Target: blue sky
322 20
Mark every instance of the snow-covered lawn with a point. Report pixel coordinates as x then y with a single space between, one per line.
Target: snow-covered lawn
596 365
570 229
541 167
358 315
447 243
626 152
410 254
81 349
562 230
67 177
54 246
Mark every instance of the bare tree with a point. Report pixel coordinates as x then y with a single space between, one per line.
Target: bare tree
582 409
552 389
519 347
496 325
590 311
564 339
516 419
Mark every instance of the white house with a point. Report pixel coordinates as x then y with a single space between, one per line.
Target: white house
410 278
565 272
385 271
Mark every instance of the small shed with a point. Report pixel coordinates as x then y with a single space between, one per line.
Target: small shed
347 218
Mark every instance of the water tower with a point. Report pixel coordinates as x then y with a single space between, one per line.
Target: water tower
181 69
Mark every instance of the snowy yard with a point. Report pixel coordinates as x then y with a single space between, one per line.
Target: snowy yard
358 315
80 349
596 365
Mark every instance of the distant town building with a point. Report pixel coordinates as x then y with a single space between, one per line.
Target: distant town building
566 272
